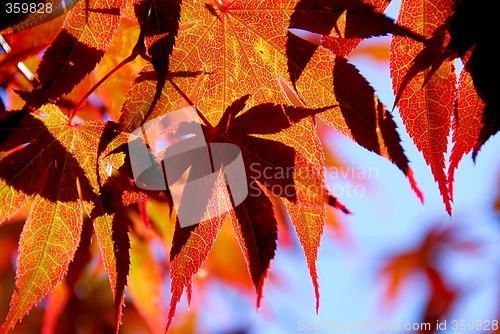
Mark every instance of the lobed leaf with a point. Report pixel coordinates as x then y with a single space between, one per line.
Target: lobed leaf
58 299
241 47
111 223
225 49
253 220
159 20
52 231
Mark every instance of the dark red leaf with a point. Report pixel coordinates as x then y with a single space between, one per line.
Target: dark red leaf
269 118
257 232
75 51
350 19
270 166
111 224
426 100
159 21
472 28
371 125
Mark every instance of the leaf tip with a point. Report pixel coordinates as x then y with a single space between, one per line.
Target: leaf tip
259 289
170 317
314 38
414 186
316 294
334 202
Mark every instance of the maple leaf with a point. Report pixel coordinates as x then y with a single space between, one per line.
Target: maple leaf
111 223
160 26
191 246
430 58
135 111
57 164
86 33
449 41
254 223
232 48
223 50
425 109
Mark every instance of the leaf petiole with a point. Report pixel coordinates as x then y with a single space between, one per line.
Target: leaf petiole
188 100
100 82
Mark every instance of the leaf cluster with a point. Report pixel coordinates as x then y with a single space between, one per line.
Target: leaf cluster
109 67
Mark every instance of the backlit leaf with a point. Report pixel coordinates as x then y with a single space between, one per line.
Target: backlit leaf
426 110
60 296
262 77
111 229
256 230
76 50
241 46
370 123
57 164
191 246
159 20
467 123
269 165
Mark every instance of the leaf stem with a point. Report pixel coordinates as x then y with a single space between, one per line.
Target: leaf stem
100 82
188 100
138 50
